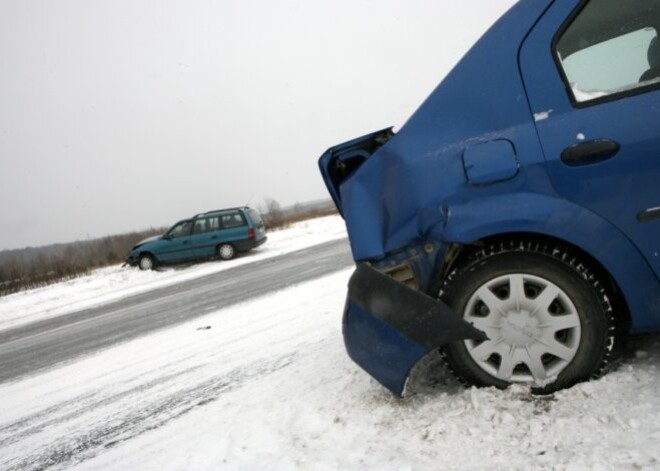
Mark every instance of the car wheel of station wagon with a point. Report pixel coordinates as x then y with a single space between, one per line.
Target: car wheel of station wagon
226 251
146 262
546 315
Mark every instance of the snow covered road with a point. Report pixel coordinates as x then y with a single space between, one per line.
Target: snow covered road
32 347
266 384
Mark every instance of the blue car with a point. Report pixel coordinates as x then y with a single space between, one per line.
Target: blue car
514 220
219 234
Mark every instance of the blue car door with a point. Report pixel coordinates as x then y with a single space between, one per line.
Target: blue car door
596 103
176 245
204 238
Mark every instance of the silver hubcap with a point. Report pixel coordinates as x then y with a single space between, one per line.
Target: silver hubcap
532 326
145 263
226 251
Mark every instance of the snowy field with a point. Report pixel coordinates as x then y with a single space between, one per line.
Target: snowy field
267 385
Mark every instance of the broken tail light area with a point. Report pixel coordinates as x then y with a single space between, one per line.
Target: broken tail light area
389 322
339 162
389 326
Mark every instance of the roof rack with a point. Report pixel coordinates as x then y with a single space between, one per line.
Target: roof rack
220 211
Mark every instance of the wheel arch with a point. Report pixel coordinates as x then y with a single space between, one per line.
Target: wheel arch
149 253
614 291
631 281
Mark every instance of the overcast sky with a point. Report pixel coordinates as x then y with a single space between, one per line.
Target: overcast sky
118 115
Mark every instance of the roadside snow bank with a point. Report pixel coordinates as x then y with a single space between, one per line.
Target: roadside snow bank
322 412
108 284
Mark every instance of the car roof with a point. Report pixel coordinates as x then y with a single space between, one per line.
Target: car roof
217 211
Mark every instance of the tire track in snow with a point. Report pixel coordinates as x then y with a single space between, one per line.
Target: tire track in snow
78 446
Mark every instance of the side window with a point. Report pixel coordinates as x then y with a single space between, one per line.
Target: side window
214 223
201 225
180 230
610 47
232 220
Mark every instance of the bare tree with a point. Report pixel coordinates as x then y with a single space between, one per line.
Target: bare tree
273 215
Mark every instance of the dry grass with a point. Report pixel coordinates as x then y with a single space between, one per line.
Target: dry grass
34 267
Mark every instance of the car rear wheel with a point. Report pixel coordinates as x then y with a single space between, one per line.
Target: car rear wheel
146 262
547 317
226 251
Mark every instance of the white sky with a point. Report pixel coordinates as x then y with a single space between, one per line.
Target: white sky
118 115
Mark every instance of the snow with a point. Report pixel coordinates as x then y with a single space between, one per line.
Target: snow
267 384
109 284
543 115
322 412
586 95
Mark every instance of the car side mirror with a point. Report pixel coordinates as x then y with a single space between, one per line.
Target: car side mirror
166 237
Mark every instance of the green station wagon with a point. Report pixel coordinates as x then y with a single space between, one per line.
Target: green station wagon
221 233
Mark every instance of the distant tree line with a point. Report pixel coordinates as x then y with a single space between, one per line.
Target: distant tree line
33 267
275 217
39 266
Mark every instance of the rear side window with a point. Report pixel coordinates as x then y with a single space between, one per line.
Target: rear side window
610 48
232 220
255 216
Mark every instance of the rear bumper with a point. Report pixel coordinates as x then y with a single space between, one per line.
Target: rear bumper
248 244
388 327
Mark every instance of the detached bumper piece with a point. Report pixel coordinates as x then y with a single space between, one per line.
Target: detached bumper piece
130 260
388 327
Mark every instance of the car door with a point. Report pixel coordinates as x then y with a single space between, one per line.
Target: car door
176 247
204 238
585 67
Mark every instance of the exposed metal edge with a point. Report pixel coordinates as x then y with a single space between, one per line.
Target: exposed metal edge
650 214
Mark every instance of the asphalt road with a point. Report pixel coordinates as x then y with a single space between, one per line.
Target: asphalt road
34 347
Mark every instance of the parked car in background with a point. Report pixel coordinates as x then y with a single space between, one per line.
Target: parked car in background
221 233
514 220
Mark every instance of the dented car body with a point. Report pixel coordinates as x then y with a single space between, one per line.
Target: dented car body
520 156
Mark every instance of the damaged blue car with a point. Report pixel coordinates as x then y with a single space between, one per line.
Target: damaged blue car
514 220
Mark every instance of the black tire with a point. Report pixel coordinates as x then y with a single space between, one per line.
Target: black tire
226 251
146 262
548 317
